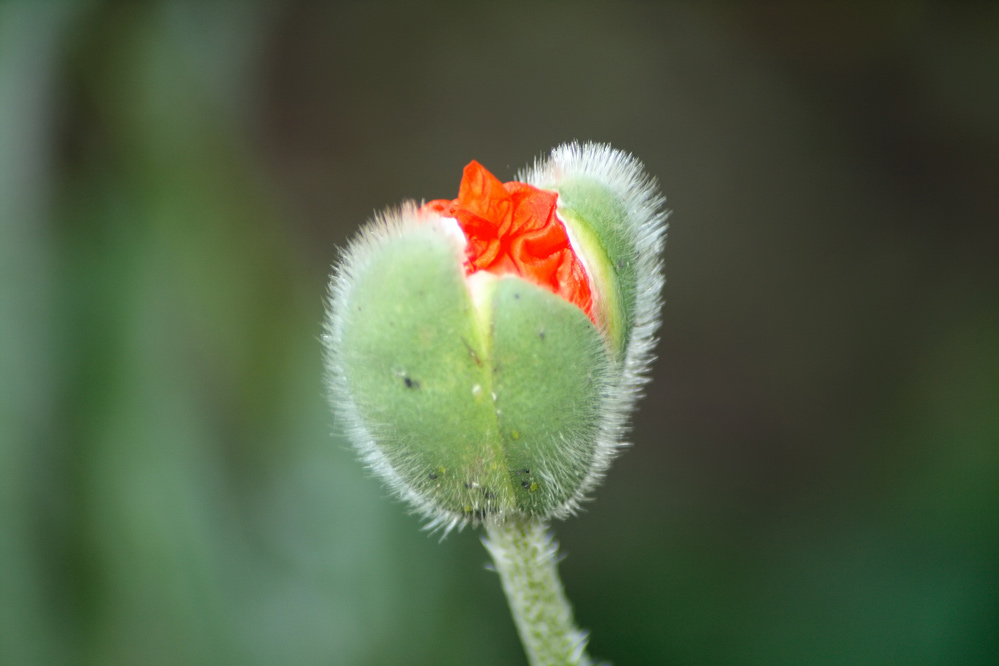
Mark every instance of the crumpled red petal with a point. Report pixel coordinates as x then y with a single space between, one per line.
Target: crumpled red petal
512 228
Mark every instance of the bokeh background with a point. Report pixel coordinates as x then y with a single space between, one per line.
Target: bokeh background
815 475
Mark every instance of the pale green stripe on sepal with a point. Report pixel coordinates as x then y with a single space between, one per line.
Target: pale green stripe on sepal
596 217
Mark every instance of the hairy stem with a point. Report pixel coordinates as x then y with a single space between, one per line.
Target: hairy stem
526 558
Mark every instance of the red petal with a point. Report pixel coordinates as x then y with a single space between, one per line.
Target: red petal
512 228
482 194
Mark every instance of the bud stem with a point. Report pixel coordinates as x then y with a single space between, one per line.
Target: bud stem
526 558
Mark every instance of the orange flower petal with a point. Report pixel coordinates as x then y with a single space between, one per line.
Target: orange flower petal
512 228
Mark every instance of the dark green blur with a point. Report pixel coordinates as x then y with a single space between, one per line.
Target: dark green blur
815 476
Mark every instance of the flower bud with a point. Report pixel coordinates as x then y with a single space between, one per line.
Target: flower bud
484 353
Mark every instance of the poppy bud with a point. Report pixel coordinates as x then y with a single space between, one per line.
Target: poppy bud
484 353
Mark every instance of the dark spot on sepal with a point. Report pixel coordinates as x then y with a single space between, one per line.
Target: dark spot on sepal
472 352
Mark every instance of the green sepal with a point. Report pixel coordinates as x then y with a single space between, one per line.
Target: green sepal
415 365
551 375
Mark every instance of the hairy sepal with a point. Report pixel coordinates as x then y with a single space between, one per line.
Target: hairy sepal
615 209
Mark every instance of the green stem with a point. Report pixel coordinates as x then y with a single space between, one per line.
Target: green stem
526 558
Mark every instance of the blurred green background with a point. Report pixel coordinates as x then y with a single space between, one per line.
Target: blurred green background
815 476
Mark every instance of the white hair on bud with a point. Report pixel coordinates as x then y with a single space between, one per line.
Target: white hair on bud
645 225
